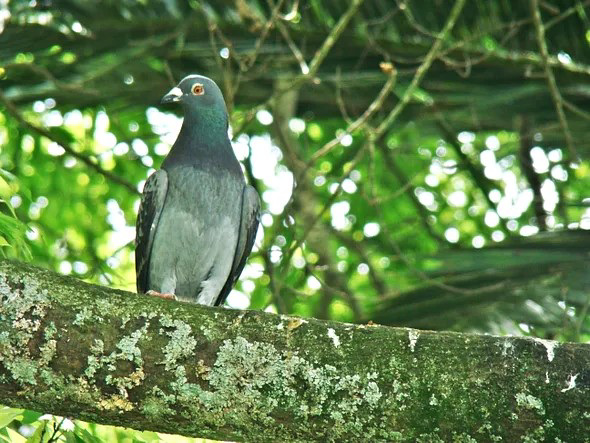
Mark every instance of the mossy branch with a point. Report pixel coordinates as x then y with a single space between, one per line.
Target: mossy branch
108 356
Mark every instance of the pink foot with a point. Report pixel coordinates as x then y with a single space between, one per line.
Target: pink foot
165 296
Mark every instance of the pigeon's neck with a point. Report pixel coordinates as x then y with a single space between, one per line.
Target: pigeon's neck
203 140
204 125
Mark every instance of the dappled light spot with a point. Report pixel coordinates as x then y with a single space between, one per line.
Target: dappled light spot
264 117
313 283
139 147
540 160
275 254
32 233
498 236
371 229
237 299
82 179
457 199
65 267
298 261
492 142
478 241
452 235
528 230
466 137
320 180
121 148
297 125
491 218
55 150
348 186
338 213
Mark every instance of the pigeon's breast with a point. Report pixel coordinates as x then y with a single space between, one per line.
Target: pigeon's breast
197 234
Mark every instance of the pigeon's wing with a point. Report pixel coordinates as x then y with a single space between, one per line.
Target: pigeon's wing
249 221
150 209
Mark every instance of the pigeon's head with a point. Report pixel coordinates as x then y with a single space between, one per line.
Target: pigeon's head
196 92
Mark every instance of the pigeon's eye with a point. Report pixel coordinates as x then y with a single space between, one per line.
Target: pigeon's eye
198 89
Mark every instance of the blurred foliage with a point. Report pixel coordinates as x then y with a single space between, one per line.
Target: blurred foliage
459 201
29 426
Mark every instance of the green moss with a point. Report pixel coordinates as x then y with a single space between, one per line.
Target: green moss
22 370
24 309
528 401
157 404
182 343
84 316
257 381
180 368
539 434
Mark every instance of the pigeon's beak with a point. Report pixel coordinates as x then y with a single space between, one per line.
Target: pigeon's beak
173 96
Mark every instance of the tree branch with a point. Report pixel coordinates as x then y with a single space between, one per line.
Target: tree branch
88 161
551 83
526 166
108 356
422 69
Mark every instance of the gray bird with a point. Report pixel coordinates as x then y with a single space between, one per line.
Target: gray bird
197 218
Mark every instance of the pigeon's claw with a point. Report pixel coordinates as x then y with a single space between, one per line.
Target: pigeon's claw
165 296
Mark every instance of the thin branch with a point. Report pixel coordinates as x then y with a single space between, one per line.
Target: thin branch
348 169
555 94
275 14
337 30
576 110
88 161
293 47
70 86
314 65
526 165
422 69
565 14
362 120
397 172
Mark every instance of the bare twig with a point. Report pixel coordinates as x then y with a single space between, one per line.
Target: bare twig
314 65
526 165
551 83
275 14
348 169
362 120
88 161
76 87
422 69
332 37
401 177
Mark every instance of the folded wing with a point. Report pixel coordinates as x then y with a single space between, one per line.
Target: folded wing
150 209
250 218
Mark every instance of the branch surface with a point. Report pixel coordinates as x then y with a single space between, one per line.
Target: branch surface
108 356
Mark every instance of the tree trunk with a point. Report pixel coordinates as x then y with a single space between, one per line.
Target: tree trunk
108 356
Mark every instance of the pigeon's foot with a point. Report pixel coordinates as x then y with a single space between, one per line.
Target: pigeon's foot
165 296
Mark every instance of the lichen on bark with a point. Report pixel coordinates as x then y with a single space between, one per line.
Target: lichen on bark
107 356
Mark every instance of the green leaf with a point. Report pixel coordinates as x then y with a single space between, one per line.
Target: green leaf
41 434
83 435
7 415
30 416
14 437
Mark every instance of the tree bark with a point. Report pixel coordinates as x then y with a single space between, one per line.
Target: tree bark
109 356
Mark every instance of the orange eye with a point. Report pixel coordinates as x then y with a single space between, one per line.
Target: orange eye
198 89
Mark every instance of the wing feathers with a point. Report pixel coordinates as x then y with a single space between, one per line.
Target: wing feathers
249 221
150 209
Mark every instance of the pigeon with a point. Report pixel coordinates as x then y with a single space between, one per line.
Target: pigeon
197 217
